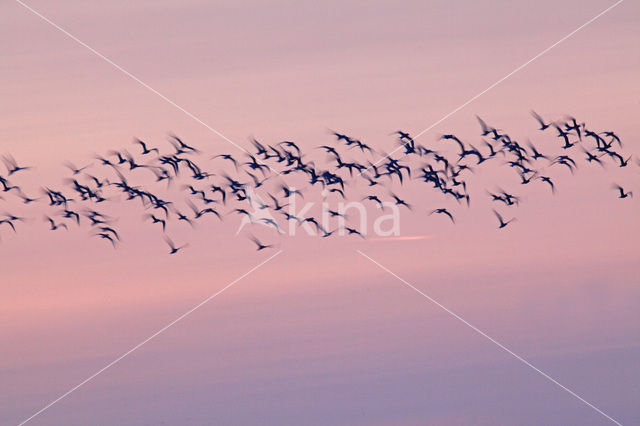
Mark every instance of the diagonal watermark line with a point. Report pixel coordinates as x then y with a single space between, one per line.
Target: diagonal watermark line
128 74
491 339
501 80
163 329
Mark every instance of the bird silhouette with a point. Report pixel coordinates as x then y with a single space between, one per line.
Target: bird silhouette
543 125
12 165
622 192
55 226
173 248
445 212
259 245
502 221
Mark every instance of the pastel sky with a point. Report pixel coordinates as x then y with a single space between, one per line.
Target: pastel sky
320 335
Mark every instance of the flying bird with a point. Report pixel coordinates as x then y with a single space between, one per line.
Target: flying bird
258 244
501 220
12 165
55 226
543 125
75 170
623 194
445 212
173 248
145 149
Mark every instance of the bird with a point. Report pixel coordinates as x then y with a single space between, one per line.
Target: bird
12 165
70 214
623 162
403 135
445 212
501 220
172 246
182 147
13 218
258 244
591 158
486 130
8 222
613 136
342 137
270 221
543 125
400 202
375 198
109 230
363 147
276 204
290 144
146 150
372 182
455 139
353 231
534 152
227 157
329 150
55 226
158 220
623 194
26 199
107 237
337 191
547 180
288 192
75 170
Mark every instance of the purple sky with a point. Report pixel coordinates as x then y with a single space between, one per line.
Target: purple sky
320 335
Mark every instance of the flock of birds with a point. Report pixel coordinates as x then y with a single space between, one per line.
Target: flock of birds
121 176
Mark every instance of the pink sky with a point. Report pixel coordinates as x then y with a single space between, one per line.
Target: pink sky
320 335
